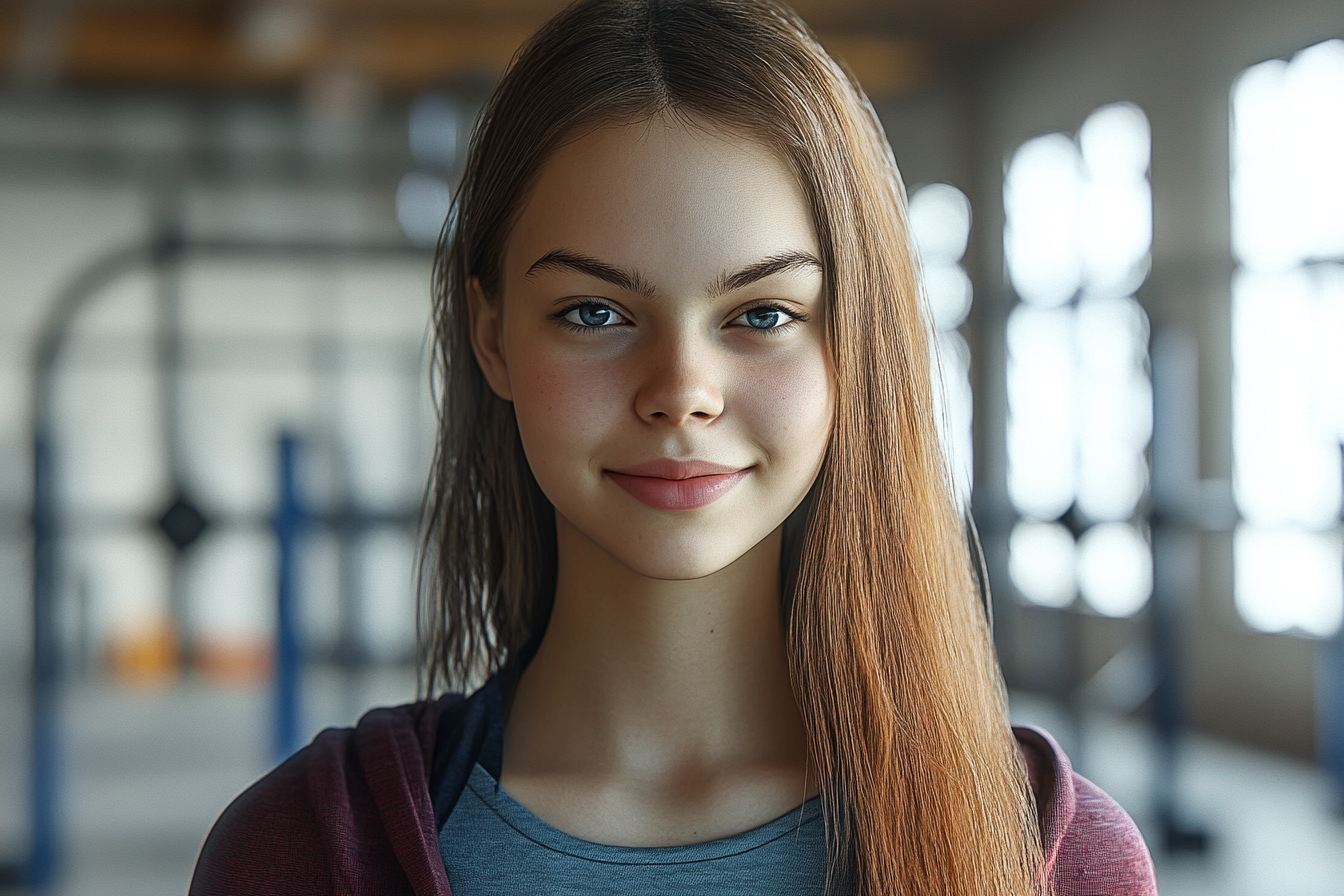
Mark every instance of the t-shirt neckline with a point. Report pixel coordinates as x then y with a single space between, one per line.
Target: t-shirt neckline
528 825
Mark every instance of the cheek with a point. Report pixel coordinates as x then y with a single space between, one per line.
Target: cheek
789 404
563 404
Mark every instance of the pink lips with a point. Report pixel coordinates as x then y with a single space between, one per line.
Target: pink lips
666 484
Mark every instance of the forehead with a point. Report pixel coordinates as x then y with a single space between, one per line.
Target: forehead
678 200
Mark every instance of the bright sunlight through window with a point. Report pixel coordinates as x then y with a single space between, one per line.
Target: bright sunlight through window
1077 234
1288 340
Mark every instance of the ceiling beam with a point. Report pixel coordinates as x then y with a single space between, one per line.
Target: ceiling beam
403 53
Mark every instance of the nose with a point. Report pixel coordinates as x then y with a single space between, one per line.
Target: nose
681 384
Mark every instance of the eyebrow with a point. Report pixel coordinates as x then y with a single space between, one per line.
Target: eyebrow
784 261
633 281
563 259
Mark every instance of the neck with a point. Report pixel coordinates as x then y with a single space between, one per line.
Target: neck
653 679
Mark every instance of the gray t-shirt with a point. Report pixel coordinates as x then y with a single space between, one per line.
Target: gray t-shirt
492 846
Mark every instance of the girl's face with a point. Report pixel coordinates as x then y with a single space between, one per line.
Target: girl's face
660 332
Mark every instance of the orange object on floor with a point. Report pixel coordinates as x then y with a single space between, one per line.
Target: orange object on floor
234 661
145 656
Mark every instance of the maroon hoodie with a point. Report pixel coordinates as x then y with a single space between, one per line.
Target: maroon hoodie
352 813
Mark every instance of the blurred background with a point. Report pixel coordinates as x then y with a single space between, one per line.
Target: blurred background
216 416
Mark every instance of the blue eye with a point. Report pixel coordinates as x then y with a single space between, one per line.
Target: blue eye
764 318
769 320
591 315
594 315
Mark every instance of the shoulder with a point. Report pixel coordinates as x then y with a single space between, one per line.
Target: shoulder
350 807
1092 846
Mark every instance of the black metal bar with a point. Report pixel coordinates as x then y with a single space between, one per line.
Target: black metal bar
168 344
1330 715
1175 533
44 781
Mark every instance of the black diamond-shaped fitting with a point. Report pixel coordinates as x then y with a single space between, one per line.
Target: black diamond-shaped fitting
183 522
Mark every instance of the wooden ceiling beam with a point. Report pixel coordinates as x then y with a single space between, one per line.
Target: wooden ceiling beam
166 47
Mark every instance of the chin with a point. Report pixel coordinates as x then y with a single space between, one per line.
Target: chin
679 559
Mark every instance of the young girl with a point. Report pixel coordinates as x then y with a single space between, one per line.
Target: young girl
690 518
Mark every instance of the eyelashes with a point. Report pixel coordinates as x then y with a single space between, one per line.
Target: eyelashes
770 319
585 316
766 318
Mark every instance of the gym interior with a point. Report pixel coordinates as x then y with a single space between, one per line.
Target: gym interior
217 222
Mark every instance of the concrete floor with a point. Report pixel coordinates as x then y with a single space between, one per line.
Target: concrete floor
148 771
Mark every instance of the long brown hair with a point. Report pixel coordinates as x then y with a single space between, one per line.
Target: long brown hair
891 659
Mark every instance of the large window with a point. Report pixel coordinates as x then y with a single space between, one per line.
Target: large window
1078 229
1287 153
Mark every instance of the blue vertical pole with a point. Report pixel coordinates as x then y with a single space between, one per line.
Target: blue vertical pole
44 794
289 526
